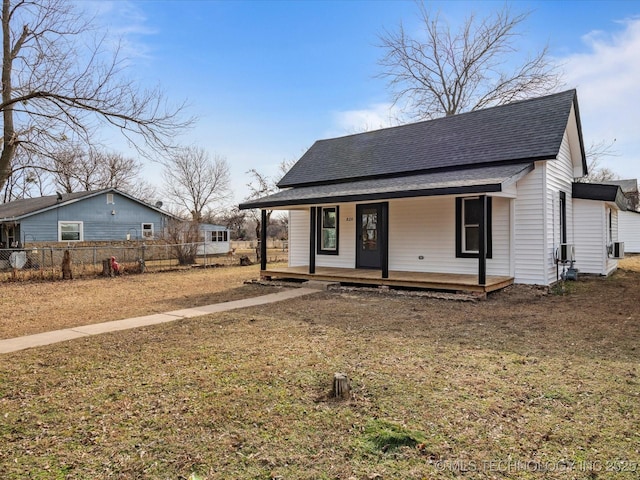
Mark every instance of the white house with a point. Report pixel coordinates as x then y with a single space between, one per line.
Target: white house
629 230
474 201
596 212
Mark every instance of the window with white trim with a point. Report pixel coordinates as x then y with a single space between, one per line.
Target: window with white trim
70 231
110 200
147 230
219 236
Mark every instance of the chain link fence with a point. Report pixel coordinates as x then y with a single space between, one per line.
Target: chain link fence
45 262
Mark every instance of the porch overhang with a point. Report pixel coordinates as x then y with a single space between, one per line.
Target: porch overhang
486 179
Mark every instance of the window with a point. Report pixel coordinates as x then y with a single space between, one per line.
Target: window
70 231
147 230
468 214
610 226
110 199
328 230
219 236
563 217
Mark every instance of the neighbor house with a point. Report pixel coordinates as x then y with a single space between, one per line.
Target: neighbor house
104 215
629 220
474 201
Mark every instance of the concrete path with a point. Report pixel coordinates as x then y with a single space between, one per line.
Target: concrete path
47 338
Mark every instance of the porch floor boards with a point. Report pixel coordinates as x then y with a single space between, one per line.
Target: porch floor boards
433 281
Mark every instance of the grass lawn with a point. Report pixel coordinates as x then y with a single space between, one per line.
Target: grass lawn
522 385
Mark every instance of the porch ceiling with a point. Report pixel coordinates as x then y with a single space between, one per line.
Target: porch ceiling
484 179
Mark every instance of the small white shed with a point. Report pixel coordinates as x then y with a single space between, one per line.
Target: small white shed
215 240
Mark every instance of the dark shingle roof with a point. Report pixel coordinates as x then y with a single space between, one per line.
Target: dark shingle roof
521 131
491 178
598 191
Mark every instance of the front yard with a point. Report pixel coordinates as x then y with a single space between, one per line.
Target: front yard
523 385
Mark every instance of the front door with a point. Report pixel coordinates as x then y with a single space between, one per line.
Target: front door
368 236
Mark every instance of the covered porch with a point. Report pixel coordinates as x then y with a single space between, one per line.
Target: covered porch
432 281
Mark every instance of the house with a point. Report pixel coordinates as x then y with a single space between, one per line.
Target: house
215 239
104 215
629 220
596 212
474 201
629 230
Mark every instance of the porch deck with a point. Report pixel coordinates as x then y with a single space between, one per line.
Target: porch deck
432 281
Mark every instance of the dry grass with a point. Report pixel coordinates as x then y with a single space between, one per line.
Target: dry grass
34 307
524 385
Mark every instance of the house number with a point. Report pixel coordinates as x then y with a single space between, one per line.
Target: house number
349 219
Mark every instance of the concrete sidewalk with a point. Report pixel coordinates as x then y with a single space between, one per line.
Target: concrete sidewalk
47 338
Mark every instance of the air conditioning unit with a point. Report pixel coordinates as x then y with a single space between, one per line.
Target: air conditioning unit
566 253
617 250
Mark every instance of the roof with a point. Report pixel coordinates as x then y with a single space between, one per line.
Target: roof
628 186
493 178
26 207
599 191
518 132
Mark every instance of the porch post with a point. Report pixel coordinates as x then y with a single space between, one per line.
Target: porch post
312 240
482 245
384 240
263 239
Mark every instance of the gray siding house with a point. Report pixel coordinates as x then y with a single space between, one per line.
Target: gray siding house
105 215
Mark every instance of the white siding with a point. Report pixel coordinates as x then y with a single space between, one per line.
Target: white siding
590 236
529 249
629 231
559 179
425 227
298 238
346 257
417 227
611 264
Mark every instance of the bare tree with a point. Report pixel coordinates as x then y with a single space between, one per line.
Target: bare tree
195 181
442 73
61 85
261 185
235 220
74 169
596 172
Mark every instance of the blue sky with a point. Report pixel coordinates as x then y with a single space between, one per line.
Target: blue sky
268 78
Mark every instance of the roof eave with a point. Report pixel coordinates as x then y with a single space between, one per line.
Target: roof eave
477 189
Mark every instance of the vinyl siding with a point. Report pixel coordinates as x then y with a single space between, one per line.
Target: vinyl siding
559 174
417 227
611 264
346 242
99 224
629 231
529 242
590 236
298 238
425 227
